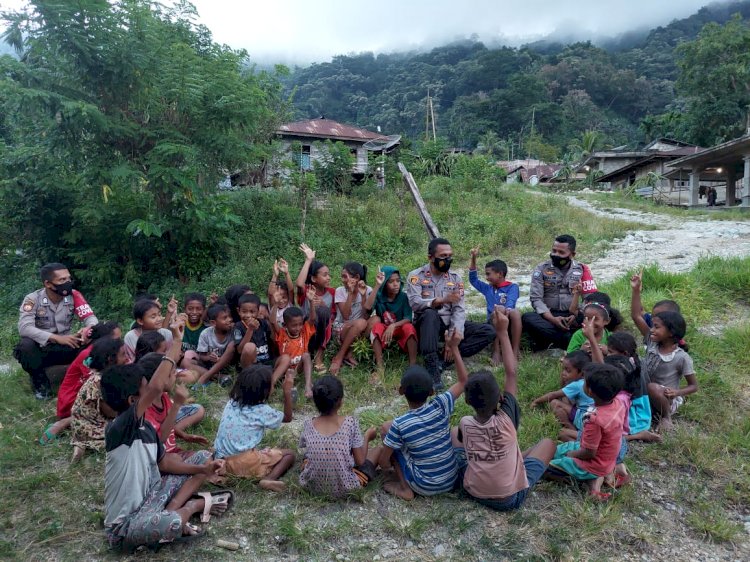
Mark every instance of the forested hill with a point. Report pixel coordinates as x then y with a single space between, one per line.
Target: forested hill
568 88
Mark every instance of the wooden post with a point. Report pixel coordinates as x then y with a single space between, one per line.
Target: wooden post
432 230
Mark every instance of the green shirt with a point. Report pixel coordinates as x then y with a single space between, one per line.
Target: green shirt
191 337
578 339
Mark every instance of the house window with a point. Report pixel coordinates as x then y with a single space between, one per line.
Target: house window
304 160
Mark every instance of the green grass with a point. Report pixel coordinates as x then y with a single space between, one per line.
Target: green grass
54 511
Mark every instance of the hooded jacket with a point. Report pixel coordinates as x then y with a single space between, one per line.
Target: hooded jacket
396 310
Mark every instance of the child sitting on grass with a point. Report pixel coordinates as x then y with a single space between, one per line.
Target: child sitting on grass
154 342
598 315
667 361
418 444
90 413
351 313
595 455
393 317
570 403
337 459
148 318
252 334
286 296
293 341
195 309
245 420
171 427
149 493
497 474
501 296
215 346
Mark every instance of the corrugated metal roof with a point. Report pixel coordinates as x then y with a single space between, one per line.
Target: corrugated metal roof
327 129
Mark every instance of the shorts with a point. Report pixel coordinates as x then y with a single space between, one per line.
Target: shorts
566 464
623 451
401 334
411 480
186 411
572 414
534 470
255 463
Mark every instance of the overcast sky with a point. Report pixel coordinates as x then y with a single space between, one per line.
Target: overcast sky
304 31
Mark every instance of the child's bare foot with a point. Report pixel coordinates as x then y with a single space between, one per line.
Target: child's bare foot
497 359
665 425
335 367
650 437
377 375
350 361
77 454
272 485
396 489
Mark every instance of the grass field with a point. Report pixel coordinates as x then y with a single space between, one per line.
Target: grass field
688 500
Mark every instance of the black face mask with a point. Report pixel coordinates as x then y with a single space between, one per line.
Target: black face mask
443 265
558 261
63 289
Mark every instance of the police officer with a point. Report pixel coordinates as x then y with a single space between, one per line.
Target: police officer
552 283
437 298
44 326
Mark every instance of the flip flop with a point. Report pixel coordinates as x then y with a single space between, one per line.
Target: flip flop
217 497
600 496
320 369
48 437
622 480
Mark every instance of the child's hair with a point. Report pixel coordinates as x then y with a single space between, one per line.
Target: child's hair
120 382
667 305
281 284
232 296
327 394
416 384
578 359
600 308
145 297
253 385
264 305
149 363
597 296
215 309
482 391
292 312
498 266
356 269
249 298
632 382
147 342
604 381
624 343
197 297
104 353
615 319
141 307
103 329
315 266
675 323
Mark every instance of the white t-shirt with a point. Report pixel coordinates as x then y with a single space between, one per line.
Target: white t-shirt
356 313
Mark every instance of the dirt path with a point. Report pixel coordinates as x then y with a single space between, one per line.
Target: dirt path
676 245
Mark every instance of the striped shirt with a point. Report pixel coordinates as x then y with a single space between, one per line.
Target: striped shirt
424 440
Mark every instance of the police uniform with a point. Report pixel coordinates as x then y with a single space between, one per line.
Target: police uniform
39 319
422 288
551 291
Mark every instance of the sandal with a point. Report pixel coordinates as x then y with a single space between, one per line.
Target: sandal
622 480
210 499
600 496
48 437
320 369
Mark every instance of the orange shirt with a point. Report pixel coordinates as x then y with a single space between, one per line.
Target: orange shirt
295 347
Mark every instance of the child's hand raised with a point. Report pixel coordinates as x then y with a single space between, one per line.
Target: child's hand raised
213 298
636 281
313 297
474 252
283 266
379 278
276 267
178 326
362 288
172 305
588 329
308 251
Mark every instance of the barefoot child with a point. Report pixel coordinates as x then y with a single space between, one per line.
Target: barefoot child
351 313
316 275
252 334
418 444
148 318
216 346
293 341
245 420
286 296
595 455
667 360
195 309
497 474
570 403
337 459
148 492
501 297
393 316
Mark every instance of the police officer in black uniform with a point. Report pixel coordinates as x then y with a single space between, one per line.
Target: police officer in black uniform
437 298
44 324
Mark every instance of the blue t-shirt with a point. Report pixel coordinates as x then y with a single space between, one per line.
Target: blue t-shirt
504 296
242 427
423 438
574 392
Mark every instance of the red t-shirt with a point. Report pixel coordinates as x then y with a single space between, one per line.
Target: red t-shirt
75 376
602 432
156 417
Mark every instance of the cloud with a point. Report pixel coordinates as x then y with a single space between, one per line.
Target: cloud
304 31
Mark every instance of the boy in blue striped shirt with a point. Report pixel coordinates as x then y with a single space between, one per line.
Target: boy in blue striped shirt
418 444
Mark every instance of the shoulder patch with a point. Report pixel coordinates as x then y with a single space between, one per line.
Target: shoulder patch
28 305
414 279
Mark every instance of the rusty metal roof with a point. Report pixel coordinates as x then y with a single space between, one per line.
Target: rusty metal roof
326 129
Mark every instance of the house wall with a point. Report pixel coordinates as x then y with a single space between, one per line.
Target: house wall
317 153
608 165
